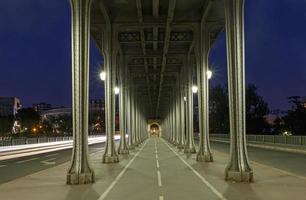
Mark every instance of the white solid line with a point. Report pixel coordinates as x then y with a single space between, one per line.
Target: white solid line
159 178
48 160
157 164
23 161
110 187
156 157
55 154
214 190
161 197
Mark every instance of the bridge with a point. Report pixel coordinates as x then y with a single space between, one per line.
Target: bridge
155 56
152 51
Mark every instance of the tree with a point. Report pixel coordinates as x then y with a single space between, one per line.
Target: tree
278 126
296 117
6 124
218 110
28 118
61 124
256 110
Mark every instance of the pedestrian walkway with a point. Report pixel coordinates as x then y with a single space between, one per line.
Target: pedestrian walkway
157 171
270 146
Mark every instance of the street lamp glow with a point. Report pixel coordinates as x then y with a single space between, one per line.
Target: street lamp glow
194 89
103 75
116 90
209 74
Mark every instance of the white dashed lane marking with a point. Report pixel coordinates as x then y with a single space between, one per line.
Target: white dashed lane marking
28 160
51 155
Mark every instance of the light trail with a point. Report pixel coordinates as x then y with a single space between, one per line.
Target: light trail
34 149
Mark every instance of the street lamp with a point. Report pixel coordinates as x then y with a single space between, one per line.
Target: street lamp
194 89
185 98
103 75
209 74
116 90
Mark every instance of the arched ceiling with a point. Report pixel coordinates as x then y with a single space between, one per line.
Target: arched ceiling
156 36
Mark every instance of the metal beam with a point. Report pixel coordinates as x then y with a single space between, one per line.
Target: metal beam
206 10
143 44
171 9
155 8
105 14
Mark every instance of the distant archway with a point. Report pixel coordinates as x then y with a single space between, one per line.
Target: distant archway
154 130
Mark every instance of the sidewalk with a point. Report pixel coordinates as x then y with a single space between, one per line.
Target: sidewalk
157 171
271 146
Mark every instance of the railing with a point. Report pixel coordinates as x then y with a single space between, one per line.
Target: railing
269 139
21 141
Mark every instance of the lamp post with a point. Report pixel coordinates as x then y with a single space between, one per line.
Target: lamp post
102 76
116 90
209 74
194 89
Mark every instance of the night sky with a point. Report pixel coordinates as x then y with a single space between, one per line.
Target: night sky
35 51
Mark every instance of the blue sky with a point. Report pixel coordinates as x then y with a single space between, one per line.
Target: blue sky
35 52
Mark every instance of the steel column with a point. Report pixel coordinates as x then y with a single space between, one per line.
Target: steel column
129 116
123 148
204 153
110 57
79 171
189 146
238 168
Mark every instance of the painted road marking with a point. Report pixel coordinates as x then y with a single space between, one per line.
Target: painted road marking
110 187
214 190
28 160
161 197
48 162
2 166
55 154
157 165
159 179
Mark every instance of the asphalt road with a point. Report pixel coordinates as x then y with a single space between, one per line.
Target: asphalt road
19 167
290 162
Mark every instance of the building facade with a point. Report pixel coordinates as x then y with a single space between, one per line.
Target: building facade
40 107
9 106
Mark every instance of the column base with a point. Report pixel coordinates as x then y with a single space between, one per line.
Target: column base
110 159
206 157
77 179
239 176
180 146
131 147
123 151
190 150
